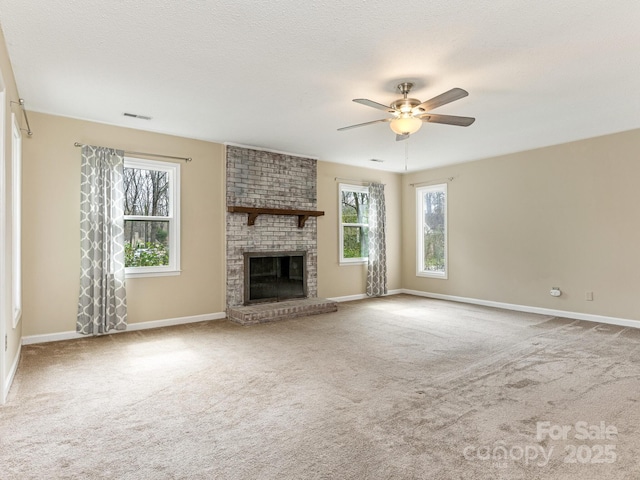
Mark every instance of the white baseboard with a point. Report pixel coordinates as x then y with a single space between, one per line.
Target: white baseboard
622 322
362 296
12 373
176 321
55 337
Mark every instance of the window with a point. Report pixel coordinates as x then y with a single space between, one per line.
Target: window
151 217
354 223
432 231
16 220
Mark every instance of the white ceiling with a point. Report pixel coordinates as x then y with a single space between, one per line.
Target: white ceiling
281 74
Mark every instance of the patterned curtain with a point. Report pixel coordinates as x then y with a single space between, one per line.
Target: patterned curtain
377 266
102 305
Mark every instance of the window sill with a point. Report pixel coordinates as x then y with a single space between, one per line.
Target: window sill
169 273
363 261
441 276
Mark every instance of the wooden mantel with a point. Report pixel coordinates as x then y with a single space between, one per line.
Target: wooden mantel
255 211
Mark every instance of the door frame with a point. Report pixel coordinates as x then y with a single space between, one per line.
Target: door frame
3 242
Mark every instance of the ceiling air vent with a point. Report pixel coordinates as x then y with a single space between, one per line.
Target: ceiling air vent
135 115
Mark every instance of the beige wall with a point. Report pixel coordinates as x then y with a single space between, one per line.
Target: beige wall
335 280
518 224
13 334
566 216
51 220
51 227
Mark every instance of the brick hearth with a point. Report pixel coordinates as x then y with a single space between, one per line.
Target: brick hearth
269 312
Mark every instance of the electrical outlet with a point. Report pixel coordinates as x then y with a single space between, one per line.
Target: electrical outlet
588 296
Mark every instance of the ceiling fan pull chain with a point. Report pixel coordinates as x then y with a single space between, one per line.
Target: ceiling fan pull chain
406 153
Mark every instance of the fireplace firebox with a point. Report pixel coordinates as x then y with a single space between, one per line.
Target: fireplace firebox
274 276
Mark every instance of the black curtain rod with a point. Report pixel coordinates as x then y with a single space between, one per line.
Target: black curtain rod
186 159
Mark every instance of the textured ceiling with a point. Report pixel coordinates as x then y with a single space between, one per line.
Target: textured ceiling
281 74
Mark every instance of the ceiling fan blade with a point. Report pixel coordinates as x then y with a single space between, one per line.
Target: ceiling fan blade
371 103
399 138
447 119
442 99
366 123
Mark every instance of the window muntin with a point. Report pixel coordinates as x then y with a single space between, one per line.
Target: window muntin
151 217
432 231
354 223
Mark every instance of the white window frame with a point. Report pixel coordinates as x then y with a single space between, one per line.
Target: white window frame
16 220
344 187
420 271
173 171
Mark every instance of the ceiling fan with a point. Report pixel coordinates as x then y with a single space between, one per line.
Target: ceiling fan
410 113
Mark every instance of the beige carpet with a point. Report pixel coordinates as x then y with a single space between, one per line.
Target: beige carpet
394 388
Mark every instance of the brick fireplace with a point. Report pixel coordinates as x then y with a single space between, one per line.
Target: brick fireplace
269 180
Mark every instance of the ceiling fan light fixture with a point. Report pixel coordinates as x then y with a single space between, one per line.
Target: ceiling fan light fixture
410 113
405 125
